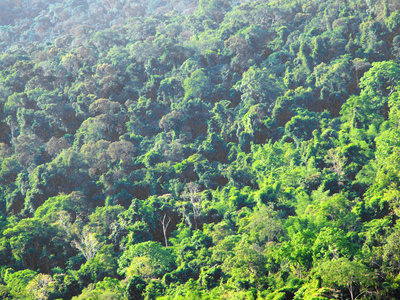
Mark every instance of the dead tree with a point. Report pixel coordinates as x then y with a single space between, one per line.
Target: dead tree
165 227
192 194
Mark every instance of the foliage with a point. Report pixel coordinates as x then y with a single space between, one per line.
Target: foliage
207 149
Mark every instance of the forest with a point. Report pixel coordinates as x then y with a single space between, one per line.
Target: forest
210 149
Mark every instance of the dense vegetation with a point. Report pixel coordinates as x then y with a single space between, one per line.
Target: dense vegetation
199 150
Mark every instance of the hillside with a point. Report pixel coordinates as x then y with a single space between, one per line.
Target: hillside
212 149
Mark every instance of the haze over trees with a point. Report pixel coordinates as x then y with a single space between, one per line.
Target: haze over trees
199 150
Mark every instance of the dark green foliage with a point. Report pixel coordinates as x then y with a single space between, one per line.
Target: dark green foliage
135 288
301 126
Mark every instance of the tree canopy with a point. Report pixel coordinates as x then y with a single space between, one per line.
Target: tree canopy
211 149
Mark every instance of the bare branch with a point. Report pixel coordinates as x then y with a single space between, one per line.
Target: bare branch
165 227
87 244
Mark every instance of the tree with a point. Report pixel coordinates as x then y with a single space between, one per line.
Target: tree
380 81
102 265
122 152
18 281
337 162
396 47
41 287
263 226
259 86
170 90
105 126
63 209
214 9
247 263
393 21
108 288
222 119
102 218
334 81
87 243
192 194
198 85
360 65
301 127
135 288
343 273
148 259
165 227
33 244
65 174
56 145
